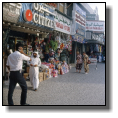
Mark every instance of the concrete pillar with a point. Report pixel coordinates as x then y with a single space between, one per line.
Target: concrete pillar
75 51
83 48
58 6
65 6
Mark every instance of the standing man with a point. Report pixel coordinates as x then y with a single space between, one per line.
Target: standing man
14 65
34 70
86 66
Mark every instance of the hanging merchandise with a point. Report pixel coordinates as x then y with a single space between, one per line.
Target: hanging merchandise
62 46
49 37
100 49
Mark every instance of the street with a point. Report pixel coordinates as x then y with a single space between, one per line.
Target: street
69 89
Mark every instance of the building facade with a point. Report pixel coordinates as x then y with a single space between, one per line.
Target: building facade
70 24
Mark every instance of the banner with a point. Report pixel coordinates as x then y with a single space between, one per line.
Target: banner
62 23
95 26
79 10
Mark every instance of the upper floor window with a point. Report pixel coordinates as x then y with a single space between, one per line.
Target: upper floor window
61 7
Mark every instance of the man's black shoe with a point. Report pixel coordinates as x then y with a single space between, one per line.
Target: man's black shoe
25 104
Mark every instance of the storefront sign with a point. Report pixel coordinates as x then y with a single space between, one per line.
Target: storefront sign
79 32
95 26
36 16
80 19
28 15
62 23
88 35
78 38
80 11
98 37
41 8
90 16
52 4
11 12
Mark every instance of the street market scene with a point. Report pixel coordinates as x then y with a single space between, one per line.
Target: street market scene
53 54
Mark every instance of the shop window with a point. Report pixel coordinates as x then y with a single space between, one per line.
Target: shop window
61 7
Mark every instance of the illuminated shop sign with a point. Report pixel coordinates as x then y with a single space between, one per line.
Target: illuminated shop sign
36 17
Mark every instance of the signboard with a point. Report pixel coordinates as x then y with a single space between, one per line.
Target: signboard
88 35
80 11
11 12
78 38
90 16
95 26
62 23
52 4
80 19
98 37
93 62
37 14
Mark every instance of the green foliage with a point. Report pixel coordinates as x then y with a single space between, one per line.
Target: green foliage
52 44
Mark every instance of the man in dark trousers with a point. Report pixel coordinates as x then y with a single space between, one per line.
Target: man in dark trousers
14 65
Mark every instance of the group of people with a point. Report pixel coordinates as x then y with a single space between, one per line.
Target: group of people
80 60
14 65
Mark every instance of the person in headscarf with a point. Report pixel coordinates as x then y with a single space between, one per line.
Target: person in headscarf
35 63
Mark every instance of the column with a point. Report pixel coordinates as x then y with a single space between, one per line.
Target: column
65 6
75 51
83 48
58 6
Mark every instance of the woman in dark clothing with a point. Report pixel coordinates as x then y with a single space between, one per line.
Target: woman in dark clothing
79 62
46 56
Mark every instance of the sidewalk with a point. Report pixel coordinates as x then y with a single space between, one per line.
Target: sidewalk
68 89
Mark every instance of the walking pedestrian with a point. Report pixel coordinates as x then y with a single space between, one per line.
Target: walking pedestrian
34 70
14 65
79 62
86 66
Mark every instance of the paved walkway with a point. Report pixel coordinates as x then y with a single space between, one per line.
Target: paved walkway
68 89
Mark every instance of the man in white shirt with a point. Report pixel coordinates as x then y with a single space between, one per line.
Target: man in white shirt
14 65
34 70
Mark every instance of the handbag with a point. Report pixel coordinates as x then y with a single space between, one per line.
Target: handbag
88 62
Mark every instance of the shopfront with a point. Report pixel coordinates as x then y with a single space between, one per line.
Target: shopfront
78 30
35 27
95 46
62 33
28 23
95 38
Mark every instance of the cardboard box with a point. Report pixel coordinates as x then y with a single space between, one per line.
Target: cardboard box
41 77
46 70
46 76
25 75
